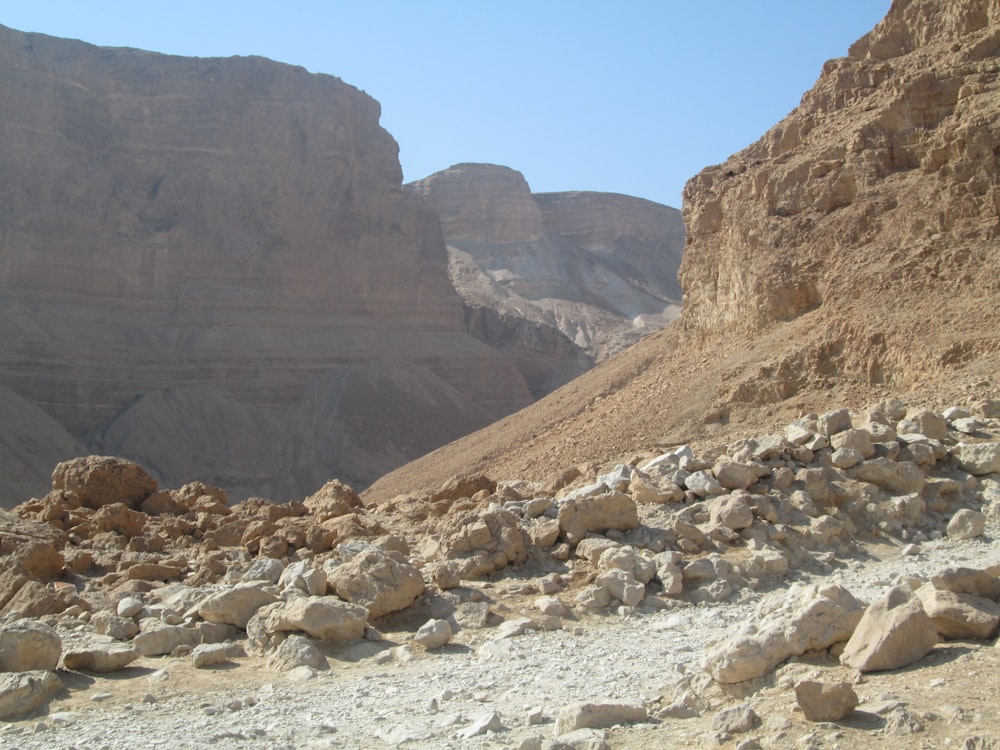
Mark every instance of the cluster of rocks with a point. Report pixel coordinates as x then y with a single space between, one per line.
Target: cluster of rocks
107 568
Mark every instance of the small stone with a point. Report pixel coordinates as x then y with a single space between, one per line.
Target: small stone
735 719
129 607
966 524
598 715
488 722
434 634
823 701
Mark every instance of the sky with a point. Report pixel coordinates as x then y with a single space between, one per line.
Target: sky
630 97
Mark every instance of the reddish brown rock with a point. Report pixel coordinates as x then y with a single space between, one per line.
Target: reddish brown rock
103 480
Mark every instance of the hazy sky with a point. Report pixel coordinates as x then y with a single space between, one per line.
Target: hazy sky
628 97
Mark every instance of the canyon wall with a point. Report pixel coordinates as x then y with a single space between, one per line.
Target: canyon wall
210 266
557 281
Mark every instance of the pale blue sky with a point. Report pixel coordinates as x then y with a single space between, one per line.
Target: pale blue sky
628 97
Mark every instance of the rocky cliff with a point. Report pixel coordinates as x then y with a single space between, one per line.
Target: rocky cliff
852 252
556 281
209 265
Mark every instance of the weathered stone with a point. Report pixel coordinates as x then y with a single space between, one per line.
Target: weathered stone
483 723
149 571
734 475
303 577
476 543
235 605
825 701
925 422
264 569
639 566
104 480
833 422
597 715
213 654
703 484
113 626
960 616
845 458
894 631
578 517
433 634
24 693
593 547
968 581
129 606
855 439
623 586
160 639
324 617
332 499
732 511
296 651
735 720
119 518
376 580
898 477
103 657
805 618
669 573
966 524
978 458
27 645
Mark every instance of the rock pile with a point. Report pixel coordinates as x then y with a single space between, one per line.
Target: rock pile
107 568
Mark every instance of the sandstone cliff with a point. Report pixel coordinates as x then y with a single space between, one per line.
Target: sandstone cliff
851 252
209 265
556 281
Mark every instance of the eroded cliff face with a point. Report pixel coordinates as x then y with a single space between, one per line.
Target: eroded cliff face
556 281
876 202
208 264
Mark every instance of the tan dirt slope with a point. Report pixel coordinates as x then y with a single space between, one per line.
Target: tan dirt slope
852 251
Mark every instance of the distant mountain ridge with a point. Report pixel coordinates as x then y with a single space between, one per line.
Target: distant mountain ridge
558 281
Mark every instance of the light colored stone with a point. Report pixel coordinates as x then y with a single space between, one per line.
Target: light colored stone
845 458
104 657
332 499
28 645
324 617
586 715
805 618
623 586
213 654
968 581
434 634
894 631
833 422
294 652
377 581
24 693
704 484
735 720
264 569
960 616
129 606
483 723
966 524
978 458
825 701
550 605
900 477
734 475
113 626
235 605
732 511
578 517
104 480
161 639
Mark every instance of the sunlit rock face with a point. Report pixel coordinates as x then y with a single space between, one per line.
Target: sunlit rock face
557 281
209 265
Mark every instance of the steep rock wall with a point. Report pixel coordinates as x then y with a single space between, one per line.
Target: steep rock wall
194 251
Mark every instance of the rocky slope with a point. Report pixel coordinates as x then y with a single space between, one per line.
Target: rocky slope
852 251
210 265
556 281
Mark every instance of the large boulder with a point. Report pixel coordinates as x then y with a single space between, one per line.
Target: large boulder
27 645
579 516
324 617
894 631
332 499
897 477
24 693
805 618
978 458
101 657
960 616
376 580
235 605
102 480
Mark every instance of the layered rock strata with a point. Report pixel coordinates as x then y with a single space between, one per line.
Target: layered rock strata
209 265
557 281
